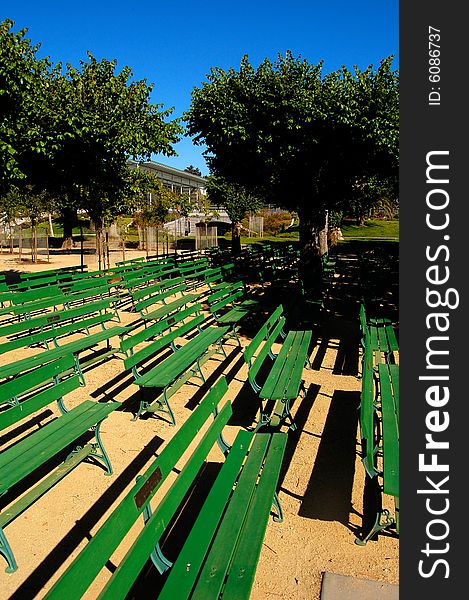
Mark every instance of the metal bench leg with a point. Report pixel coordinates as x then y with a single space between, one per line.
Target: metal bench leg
102 455
264 420
278 518
7 552
161 563
379 525
287 415
161 404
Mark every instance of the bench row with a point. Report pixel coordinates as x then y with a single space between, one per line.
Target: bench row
250 443
379 418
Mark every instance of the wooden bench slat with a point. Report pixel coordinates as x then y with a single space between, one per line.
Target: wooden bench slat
242 570
169 307
25 364
28 454
390 432
236 527
181 579
175 364
80 574
136 557
39 400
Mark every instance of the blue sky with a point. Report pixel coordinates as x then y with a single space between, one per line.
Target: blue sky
174 44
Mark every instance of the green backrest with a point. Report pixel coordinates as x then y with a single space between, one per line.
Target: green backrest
84 569
364 329
368 409
224 294
58 300
164 293
22 297
156 288
168 329
20 388
56 317
263 333
262 342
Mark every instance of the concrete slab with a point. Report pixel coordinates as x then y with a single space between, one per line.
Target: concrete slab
342 587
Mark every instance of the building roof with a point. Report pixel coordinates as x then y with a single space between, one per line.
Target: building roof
170 175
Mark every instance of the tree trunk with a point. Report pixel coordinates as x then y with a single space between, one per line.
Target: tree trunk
236 238
313 244
69 220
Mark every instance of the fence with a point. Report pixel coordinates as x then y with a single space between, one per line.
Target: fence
206 237
28 242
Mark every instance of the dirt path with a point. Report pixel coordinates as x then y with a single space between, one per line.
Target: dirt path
322 482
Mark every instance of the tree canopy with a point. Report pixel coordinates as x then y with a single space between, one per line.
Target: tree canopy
297 137
237 201
70 131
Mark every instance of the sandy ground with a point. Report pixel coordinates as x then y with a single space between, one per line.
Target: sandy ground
322 481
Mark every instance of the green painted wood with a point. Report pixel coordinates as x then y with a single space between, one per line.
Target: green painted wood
58 300
293 387
243 566
181 577
162 342
262 334
169 307
15 510
174 365
53 333
28 406
24 383
235 315
22 297
53 317
75 347
390 432
29 453
394 373
159 297
83 570
159 328
263 353
136 557
284 379
218 561
367 410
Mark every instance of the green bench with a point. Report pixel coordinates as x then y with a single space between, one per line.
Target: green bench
284 379
51 326
194 270
229 305
219 276
40 302
381 334
379 430
176 368
31 453
148 275
73 348
221 549
151 300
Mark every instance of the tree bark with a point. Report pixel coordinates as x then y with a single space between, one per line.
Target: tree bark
69 220
236 238
313 244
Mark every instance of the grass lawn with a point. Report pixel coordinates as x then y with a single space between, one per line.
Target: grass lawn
374 228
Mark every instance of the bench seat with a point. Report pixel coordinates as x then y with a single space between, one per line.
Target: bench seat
177 368
71 348
169 307
283 381
379 427
25 457
184 357
222 545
